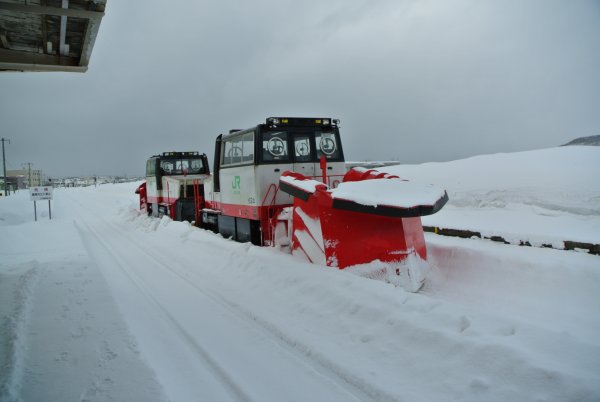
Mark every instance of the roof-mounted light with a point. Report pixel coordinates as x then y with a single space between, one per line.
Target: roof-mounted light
301 121
277 120
183 153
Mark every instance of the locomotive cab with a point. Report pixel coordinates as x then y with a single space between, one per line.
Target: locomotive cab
243 196
174 184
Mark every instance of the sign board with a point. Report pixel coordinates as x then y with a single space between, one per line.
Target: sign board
40 193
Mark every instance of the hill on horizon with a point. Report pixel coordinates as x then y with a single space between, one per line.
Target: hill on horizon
591 140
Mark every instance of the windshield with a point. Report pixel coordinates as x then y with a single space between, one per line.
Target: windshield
300 146
326 145
274 146
181 166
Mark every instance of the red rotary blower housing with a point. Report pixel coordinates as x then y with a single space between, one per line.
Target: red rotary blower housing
370 216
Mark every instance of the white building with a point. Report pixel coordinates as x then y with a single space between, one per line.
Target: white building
35 175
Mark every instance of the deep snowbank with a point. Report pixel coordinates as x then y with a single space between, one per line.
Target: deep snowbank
543 196
495 322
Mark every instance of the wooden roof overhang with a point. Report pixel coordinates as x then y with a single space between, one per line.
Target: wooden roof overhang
48 35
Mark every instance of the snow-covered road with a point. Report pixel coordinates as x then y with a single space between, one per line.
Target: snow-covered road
102 303
209 348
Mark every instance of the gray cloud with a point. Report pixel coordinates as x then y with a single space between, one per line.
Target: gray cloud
412 80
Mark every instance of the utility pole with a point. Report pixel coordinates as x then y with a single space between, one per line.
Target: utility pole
29 165
4 164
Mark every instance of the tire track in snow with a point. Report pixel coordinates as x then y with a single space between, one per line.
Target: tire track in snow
14 331
356 386
232 388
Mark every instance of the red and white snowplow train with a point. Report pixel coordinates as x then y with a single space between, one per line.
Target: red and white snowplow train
174 185
284 184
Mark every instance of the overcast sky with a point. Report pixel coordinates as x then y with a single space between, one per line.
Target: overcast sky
413 81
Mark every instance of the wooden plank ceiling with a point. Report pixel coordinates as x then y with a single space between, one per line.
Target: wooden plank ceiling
48 35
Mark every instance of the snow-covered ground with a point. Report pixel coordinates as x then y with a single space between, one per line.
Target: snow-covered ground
101 303
545 196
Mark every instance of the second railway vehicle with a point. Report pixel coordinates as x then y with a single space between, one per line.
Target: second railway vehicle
284 183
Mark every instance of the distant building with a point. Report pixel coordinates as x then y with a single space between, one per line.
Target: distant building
21 177
15 182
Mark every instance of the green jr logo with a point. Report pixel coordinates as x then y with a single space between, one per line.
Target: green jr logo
235 184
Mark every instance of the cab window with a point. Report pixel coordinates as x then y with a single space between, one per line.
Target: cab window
326 144
232 151
150 167
274 146
166 166
196 166
248 147
182 165
238 150
302 147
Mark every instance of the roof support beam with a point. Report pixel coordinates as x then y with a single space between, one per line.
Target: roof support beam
67 12
46 46
62 48
4 39
25 61
91 32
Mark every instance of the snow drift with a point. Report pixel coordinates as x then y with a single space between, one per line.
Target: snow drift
545 196
104 303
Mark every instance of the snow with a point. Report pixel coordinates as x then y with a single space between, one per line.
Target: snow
306 185
391 192
62 336
388 192
543 196
103 303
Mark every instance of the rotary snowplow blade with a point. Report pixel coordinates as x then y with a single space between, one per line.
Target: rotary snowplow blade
371 216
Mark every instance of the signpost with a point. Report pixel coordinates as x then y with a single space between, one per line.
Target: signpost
39 194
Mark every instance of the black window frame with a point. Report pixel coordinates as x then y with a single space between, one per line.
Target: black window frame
175 159
292 133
